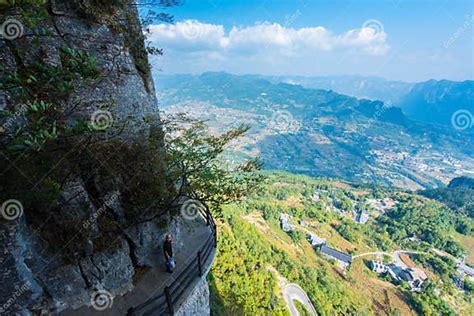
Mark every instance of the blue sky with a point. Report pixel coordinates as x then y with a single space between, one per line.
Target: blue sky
411 40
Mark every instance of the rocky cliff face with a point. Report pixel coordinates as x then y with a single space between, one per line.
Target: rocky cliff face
197 303
88 208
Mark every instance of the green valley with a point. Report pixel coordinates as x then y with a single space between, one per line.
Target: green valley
252 242
320 132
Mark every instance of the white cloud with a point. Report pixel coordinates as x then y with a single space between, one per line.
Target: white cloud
193 36
189 34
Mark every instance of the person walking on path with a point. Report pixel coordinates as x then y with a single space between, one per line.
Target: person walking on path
168 253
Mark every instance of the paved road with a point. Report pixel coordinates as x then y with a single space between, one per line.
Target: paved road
399 261
462 267
373 253
293 292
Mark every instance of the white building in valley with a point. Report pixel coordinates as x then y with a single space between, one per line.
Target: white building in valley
378 266
315 240
285 223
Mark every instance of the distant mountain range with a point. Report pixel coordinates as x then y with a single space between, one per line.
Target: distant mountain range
362 87
440 102
431 101
321 132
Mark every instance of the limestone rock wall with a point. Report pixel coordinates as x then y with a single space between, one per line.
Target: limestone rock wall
35 276
197 303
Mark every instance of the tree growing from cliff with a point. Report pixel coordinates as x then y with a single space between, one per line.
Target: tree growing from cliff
195 158
51 144
53 134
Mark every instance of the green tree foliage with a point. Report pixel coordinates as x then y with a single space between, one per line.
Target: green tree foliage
297 235
459 199
245 251
246 287
348 230
469 286
51 138
442 266
345 204
194 157
241 282
428 219
240 272
429 303
301 308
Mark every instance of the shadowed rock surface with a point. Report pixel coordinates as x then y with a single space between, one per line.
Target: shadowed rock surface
91 238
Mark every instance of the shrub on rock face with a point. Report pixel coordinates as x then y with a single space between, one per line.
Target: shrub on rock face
70 128
83 151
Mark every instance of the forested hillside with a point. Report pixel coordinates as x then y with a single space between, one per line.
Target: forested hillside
252 242
458 195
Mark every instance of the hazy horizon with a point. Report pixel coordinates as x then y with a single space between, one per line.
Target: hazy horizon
162 73
398 40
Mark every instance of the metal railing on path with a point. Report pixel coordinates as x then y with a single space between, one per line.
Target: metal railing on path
165 302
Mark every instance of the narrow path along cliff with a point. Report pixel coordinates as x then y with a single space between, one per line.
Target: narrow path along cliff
153 281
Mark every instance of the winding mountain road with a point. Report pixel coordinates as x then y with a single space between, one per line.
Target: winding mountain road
293 292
